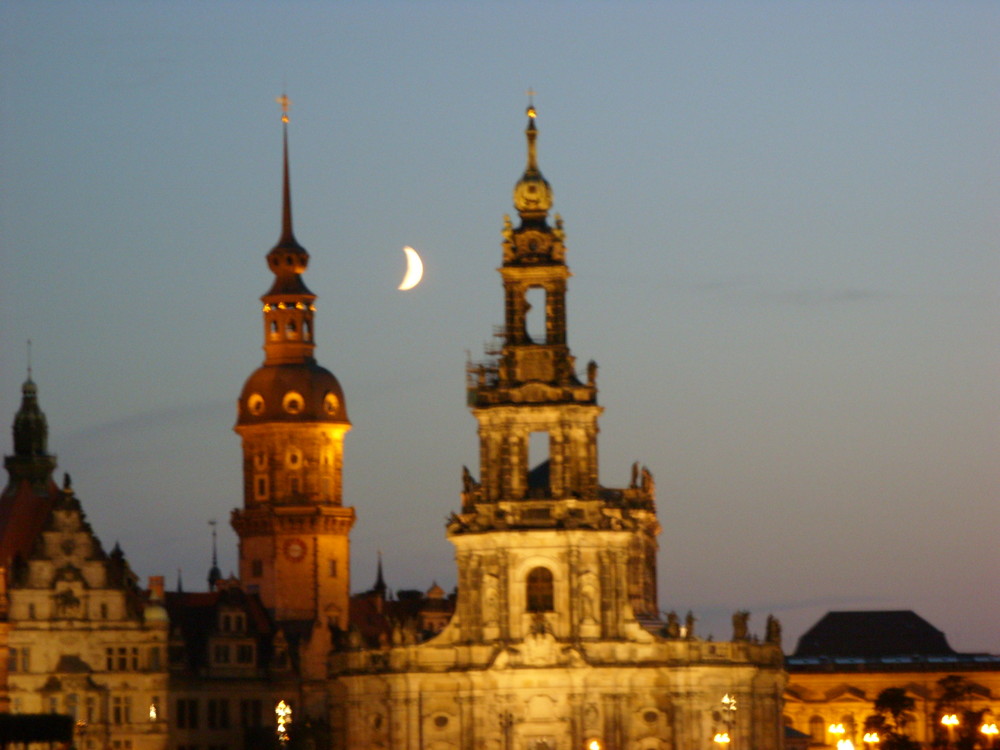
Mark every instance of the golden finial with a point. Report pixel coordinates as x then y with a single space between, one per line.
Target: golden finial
285 103
531 104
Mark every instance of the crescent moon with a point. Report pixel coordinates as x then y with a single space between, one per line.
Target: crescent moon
414 269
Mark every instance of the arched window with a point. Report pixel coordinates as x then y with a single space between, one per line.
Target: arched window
817 729
539 590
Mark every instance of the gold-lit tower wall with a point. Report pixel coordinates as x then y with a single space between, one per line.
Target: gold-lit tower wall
291 416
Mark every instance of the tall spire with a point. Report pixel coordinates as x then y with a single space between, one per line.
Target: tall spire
214 574
287 236
380 586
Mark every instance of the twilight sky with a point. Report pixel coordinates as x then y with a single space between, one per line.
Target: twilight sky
782 220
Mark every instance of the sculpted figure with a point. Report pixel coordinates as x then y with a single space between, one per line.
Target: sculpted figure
468 483
773 630
647 481
740 619
673 625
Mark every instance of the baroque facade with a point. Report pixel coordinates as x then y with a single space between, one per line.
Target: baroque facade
555 641
78 637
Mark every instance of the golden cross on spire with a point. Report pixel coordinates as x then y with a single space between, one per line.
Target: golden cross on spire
285 103
531 103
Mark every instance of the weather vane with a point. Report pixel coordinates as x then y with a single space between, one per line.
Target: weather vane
285 103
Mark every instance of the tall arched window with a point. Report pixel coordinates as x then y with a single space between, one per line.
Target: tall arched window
817 729
539 590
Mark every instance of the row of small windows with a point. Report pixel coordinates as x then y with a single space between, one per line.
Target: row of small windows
293 403
262 486
290 327
257 568
119 708
102 611
225 653
116 659
187 714
293 459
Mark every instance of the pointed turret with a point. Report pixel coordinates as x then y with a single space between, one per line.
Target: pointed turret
214 574
31 493
31 461
380 587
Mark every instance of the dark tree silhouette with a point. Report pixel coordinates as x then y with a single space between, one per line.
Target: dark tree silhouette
955 697
893 711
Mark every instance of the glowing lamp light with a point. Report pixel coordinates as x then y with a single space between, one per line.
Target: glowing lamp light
594 745
845 745
152 712
721 738
283 716
949 720
990 730
872 737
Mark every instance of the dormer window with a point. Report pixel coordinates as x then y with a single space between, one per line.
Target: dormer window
233 622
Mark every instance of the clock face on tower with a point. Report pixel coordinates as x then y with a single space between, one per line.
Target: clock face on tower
295 549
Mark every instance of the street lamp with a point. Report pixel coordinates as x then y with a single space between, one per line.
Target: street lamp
871 738
950 721
283 717
594 745
989 731
729 717
837 730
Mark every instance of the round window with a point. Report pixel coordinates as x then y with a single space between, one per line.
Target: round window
292 402
255 404
331 403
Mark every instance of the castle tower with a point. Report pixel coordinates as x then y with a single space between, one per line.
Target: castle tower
293 527
31 492
541 544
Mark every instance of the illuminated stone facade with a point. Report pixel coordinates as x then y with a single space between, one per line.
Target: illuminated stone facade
81 638
844 661
555 641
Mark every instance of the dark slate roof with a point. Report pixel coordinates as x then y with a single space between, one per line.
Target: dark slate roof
872 634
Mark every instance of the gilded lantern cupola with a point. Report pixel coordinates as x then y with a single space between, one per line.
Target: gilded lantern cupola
532 193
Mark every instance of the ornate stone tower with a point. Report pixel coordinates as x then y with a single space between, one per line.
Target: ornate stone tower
555 642
546 546
293 527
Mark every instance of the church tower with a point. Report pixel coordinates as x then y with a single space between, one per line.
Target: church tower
555 642
541 544
291 418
